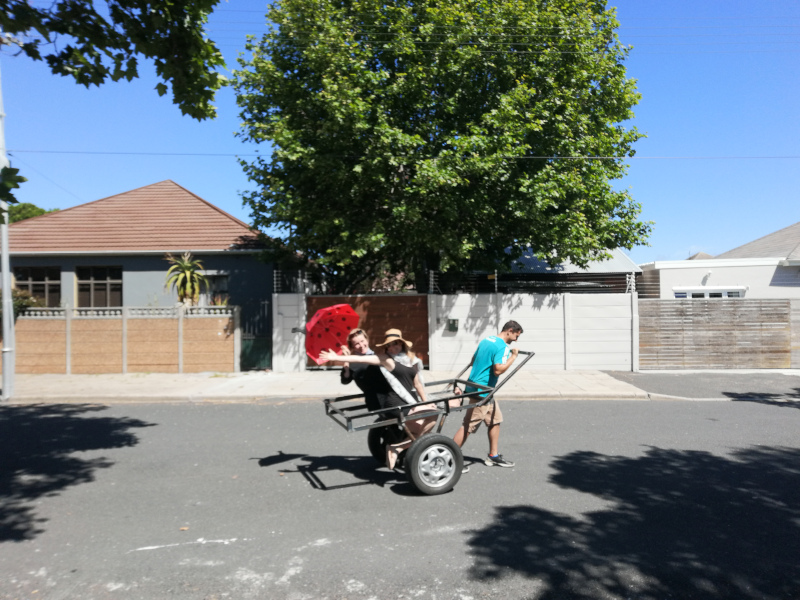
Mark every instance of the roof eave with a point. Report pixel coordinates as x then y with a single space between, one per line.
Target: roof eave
135 252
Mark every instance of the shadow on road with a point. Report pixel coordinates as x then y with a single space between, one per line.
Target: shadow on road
362 468
787 400
680 524
37 446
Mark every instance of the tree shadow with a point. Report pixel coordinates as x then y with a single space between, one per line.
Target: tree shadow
680 524
786 400
37 446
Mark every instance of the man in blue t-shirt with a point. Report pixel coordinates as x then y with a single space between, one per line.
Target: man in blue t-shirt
492 358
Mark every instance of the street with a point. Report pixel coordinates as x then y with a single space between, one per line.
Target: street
609 500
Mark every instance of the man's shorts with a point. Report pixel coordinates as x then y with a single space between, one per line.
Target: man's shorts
488 413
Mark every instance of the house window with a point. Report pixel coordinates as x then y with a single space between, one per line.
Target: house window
716 292
43 283
99 286
217 291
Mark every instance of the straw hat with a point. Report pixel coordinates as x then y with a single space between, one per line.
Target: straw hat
394 335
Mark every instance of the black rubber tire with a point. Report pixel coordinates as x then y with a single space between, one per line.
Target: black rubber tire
434 463
379 438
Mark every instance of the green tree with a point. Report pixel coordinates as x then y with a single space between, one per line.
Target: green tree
96 41
439 133
25 210
186 277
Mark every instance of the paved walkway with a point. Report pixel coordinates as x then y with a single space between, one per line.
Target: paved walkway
266 387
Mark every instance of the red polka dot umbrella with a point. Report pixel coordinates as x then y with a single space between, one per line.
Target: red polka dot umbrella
328 329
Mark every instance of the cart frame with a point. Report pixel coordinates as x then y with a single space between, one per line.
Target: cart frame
352 414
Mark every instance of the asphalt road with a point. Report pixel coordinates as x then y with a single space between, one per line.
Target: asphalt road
633 500
762 386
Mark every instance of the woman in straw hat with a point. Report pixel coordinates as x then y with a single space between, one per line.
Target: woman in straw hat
401 368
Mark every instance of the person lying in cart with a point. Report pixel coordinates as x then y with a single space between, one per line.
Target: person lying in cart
400 367
493 357
368 378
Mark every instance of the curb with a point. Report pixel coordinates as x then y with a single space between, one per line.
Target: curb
286 399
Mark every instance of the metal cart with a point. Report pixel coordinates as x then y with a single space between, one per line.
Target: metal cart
433 462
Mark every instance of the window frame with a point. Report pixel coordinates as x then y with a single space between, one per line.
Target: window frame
98 286
51 285
729 292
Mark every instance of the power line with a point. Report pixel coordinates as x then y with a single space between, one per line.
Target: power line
532 157
59 186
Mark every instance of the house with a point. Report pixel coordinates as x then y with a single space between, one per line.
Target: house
111 253
768 267
529 274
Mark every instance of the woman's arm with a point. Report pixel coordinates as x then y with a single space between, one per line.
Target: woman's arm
420 388
369 359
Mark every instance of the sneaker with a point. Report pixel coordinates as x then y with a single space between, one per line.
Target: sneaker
498 461
465 469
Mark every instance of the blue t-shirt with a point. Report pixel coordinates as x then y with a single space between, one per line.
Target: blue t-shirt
491 351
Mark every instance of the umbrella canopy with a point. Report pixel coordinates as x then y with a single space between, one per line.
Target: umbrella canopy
328 330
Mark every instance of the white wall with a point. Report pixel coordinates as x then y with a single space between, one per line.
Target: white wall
767 280
567 331
288 349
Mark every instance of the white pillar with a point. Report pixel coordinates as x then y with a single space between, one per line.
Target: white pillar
9 365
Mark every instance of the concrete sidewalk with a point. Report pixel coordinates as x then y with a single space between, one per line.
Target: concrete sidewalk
269 387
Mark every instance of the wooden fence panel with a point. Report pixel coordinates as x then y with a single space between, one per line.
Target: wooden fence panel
715 334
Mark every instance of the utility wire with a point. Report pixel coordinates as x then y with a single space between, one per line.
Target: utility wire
32 168
530 157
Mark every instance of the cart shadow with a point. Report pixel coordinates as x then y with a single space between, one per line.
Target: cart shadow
785 400
362 468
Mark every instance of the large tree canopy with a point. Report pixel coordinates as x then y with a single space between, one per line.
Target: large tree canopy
94 41
439 133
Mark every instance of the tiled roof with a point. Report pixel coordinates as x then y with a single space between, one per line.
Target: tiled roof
158 217
781 244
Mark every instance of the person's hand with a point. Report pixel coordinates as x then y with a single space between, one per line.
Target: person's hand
345 351
457 391
327 355
514 352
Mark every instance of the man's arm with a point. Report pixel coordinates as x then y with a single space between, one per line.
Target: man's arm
501 368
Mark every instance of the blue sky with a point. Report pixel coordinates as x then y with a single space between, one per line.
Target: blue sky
720 85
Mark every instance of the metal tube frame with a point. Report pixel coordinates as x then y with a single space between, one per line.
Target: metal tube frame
347 410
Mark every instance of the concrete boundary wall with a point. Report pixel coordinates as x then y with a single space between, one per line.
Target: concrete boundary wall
128 340
794 308
288 341
567 331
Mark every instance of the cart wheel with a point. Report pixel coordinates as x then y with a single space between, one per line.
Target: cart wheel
434 464
378 439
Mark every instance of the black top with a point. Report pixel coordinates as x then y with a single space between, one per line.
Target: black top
370 380
405 375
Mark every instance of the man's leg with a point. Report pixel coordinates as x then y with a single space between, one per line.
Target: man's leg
463 433
461 436
493 432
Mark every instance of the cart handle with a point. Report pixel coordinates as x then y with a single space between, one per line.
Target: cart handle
528 356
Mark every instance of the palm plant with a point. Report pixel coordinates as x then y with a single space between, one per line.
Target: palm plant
185 275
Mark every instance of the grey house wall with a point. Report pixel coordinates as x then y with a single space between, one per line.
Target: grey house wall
250 282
